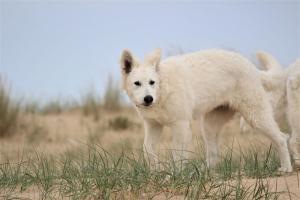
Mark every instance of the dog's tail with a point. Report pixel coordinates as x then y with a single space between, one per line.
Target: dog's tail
267 61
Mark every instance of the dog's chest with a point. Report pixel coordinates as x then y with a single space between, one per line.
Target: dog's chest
159 115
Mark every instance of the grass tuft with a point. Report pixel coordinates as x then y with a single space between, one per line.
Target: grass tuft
96 174
112 96
9 111
53 107
120 123
91 104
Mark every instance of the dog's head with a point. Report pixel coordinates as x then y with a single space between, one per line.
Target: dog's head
141 79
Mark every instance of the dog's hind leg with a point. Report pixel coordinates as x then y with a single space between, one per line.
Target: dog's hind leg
257 112
211 125
152 135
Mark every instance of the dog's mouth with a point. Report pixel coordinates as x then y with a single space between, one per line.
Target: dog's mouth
147 104
144 105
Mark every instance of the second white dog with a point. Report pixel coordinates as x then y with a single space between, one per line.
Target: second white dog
174 91
283 89
293 109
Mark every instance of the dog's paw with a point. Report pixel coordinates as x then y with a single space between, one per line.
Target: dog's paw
285 169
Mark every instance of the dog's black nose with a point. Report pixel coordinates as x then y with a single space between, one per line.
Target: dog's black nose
148 99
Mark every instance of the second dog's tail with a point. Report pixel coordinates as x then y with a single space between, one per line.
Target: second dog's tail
267 61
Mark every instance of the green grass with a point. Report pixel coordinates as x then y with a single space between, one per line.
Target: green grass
97 174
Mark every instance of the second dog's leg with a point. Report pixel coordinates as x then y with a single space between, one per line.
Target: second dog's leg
293 96
182 138
294 144
152 135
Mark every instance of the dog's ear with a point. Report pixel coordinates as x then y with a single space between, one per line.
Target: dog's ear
154 57
127 61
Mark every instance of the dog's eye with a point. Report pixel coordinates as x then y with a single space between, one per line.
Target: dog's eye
137 83
151 82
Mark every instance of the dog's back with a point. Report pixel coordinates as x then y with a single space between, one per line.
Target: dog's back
214 74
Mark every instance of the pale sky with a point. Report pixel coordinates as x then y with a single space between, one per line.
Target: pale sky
58 48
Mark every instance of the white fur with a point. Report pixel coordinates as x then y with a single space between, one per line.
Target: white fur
212 124
274 83
293 99
196 86
283 89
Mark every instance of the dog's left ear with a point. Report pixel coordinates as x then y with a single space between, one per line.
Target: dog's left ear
127 61
154 57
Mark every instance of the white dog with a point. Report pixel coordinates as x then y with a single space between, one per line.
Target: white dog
293 99
283 89
273 78
178 89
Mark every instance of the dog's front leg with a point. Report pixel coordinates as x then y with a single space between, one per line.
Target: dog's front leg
152 135
182 137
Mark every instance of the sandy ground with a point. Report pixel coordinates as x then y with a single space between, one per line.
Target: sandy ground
287 185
